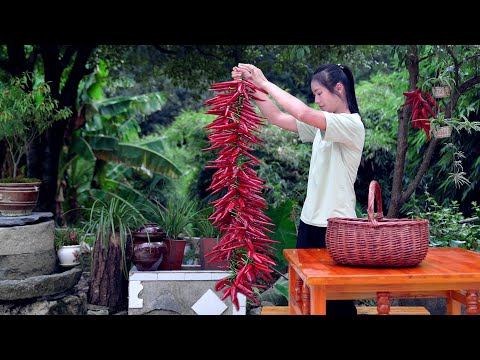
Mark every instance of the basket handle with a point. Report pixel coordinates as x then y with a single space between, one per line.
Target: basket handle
374 192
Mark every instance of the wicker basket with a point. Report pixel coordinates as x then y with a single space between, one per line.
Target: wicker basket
377 241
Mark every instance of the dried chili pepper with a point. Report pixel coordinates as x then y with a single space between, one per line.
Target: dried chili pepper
238 214
421 109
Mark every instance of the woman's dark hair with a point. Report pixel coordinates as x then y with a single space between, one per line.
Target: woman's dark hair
329 75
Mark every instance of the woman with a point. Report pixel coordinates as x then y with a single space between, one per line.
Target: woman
337 134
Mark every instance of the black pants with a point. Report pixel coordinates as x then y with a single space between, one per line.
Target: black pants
309 237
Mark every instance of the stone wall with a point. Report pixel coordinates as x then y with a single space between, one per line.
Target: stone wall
183 292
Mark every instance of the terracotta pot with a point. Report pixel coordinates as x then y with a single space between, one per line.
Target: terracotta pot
174 257
18 199
206 246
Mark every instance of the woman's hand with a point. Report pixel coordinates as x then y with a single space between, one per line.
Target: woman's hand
249 72
236 73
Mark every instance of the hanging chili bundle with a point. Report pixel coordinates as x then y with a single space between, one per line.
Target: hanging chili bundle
421 109
239 212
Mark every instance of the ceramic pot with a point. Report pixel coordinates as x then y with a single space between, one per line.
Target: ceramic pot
206 246
18 199
149 231
69 256
174 257
147 256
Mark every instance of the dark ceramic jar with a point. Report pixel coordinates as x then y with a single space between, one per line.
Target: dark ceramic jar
149 231
149 247
147 256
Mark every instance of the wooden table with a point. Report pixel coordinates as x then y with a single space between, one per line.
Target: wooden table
451 273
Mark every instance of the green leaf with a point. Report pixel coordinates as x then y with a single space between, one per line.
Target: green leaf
130 191
154 144
139 157
300 53
95 91
107 143
128 105
281 285
285 231
81 147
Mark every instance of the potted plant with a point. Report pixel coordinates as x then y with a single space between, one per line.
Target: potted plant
173 218
112 221
440 85
27 109
209 237
67 244
441 126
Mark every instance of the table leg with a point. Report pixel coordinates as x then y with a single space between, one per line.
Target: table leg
292 287
305 299
318 300
383 303
298 289
472 302
454 307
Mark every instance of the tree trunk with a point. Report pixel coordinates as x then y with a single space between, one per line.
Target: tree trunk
402 138
44 155
3 158
108 284
399 167
42 162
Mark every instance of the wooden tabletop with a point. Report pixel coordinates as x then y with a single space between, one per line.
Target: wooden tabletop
452 265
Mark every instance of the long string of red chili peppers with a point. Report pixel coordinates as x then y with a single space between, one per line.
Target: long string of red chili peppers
421 109
238 213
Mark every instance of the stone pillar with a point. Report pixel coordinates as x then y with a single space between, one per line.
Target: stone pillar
27 250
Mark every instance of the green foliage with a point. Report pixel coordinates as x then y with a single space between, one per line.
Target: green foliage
18 180
67 236
109 149
111 217
281 285
174 217
285 230
202 226
446 222
27 109
277 294
457 175
461 123
108 153
183 141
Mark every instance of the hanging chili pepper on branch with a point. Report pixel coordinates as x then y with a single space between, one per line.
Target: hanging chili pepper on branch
421 109
239 212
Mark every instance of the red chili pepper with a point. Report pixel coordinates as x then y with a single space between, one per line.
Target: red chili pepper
238 214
